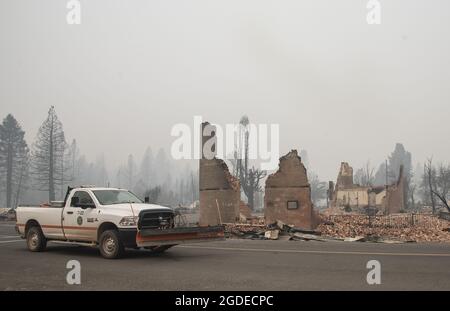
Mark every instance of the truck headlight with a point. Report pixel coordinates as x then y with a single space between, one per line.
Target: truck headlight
129 221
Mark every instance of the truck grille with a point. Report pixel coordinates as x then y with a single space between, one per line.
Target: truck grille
155 219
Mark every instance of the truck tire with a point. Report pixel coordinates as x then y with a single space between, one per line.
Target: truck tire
111 245
36 240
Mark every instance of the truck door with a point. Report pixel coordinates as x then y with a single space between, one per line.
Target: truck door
80 217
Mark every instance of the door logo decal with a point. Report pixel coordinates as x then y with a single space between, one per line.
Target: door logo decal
80 220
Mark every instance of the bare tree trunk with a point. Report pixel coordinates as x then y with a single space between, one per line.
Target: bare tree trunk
9 172
428 168
247 134
51 181
19 185
62 175
413 201
444 201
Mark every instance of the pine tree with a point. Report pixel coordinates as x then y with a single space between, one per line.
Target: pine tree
13 157
49 161
74 158
145 172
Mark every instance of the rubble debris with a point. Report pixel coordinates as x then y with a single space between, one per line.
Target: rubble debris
306 237
386 229
291 229
254 235
395 241
397 228
272 234
275 231
300 230
278 224
244 231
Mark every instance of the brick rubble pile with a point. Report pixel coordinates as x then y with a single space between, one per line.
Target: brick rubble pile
425 228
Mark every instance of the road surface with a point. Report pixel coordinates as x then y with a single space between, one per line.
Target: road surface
228 265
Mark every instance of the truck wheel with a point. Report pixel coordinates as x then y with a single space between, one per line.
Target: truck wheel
36 240
160 249
111 245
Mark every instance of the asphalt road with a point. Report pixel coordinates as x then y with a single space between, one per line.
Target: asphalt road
228 265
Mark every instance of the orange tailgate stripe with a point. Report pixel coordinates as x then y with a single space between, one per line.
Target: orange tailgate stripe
65 227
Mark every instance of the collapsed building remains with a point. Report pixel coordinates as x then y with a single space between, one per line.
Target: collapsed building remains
219 190
350 196
288 194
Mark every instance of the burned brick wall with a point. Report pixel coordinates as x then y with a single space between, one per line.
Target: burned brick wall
345 177
245 210
288 194
219 190
395 196
347 194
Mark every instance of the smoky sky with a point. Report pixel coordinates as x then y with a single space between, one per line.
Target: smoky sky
338 87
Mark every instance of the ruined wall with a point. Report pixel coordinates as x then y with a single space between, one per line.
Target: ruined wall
390 199
219 190
380 198
353 197
345 177
289 184
346 192
395 196
245 210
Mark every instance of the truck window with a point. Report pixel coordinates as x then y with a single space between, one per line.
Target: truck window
83 198
108 197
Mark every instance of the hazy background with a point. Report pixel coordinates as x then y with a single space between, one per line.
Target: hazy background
339 88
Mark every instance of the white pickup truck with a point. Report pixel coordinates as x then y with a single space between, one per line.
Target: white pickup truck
111 218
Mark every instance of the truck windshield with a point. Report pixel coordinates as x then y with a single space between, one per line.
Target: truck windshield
108 197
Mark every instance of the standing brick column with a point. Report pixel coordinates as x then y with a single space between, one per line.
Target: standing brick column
217 187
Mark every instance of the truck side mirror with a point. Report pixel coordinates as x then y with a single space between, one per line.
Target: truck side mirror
74 201
147 199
